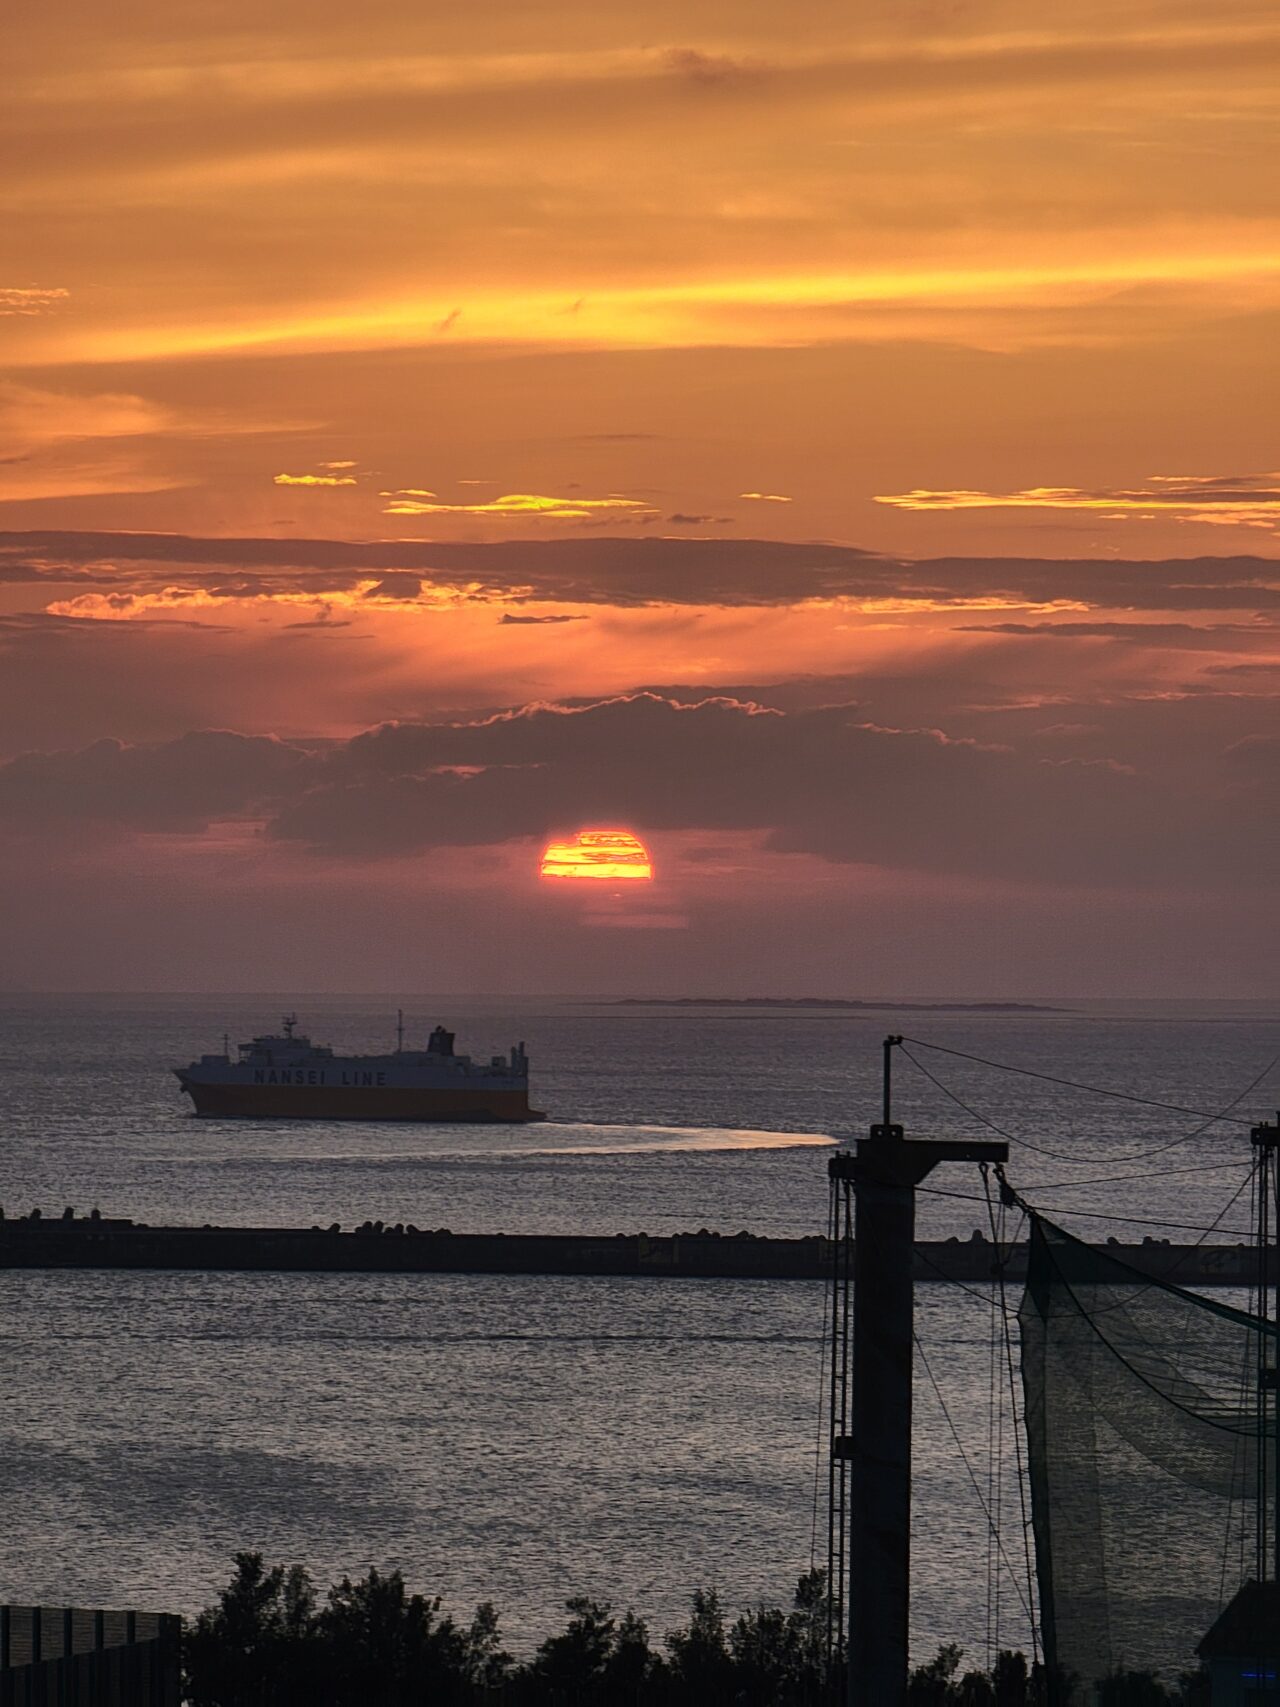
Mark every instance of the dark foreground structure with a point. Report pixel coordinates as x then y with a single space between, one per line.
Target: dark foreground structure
95 1241
66 1656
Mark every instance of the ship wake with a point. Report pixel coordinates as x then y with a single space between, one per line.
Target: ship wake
580 1138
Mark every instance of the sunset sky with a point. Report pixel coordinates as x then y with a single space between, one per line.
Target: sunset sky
836 444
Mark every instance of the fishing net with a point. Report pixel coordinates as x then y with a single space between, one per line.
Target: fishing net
1143 1423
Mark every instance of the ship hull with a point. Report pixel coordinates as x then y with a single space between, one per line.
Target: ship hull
352 1102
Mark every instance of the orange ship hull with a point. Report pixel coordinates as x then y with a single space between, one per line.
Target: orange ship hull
352 1102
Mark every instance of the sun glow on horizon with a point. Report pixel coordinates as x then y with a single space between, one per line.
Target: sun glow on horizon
597 855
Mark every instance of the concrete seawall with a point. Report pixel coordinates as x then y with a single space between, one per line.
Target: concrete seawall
97 1242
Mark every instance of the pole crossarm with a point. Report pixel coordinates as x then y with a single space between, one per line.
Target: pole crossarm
907 1161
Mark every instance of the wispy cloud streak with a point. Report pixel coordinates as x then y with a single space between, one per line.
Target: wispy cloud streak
1239 499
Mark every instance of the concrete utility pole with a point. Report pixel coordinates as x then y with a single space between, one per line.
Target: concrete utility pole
1266 1140
884 1171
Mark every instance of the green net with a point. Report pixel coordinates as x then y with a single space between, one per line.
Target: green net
1142 1420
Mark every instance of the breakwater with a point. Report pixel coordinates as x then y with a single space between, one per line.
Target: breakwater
95 1241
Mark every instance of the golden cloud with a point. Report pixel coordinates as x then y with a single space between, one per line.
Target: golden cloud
25 482
316 479
521 505
34 418
753 307
29 300
1250 500
368 596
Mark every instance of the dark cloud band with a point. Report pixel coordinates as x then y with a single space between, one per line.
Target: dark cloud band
822 781
628 573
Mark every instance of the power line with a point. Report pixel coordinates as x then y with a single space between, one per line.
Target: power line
1103 1215
1166 1275
1213 1227
944 1274
1116 1179
1094 1090
1224 1114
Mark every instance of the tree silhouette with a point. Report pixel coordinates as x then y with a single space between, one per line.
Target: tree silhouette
266 1642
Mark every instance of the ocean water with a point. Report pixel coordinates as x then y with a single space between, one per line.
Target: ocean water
524 1439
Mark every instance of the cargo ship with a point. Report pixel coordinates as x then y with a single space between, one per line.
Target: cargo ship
287 1077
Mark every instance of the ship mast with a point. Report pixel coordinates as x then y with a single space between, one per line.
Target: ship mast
399 1031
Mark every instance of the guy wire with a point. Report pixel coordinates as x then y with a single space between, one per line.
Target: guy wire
1013 1406
974 1482
822 1360
834 1564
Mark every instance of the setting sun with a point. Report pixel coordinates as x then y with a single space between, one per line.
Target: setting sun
608 855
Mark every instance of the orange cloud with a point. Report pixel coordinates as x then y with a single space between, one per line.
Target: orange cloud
33 417
29 300
317 479
367 596
25 483
768 497
1251 500
750 305
520 505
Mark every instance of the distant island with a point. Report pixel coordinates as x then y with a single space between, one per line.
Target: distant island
833 1002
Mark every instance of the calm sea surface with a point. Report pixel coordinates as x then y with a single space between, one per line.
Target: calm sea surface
526 1439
